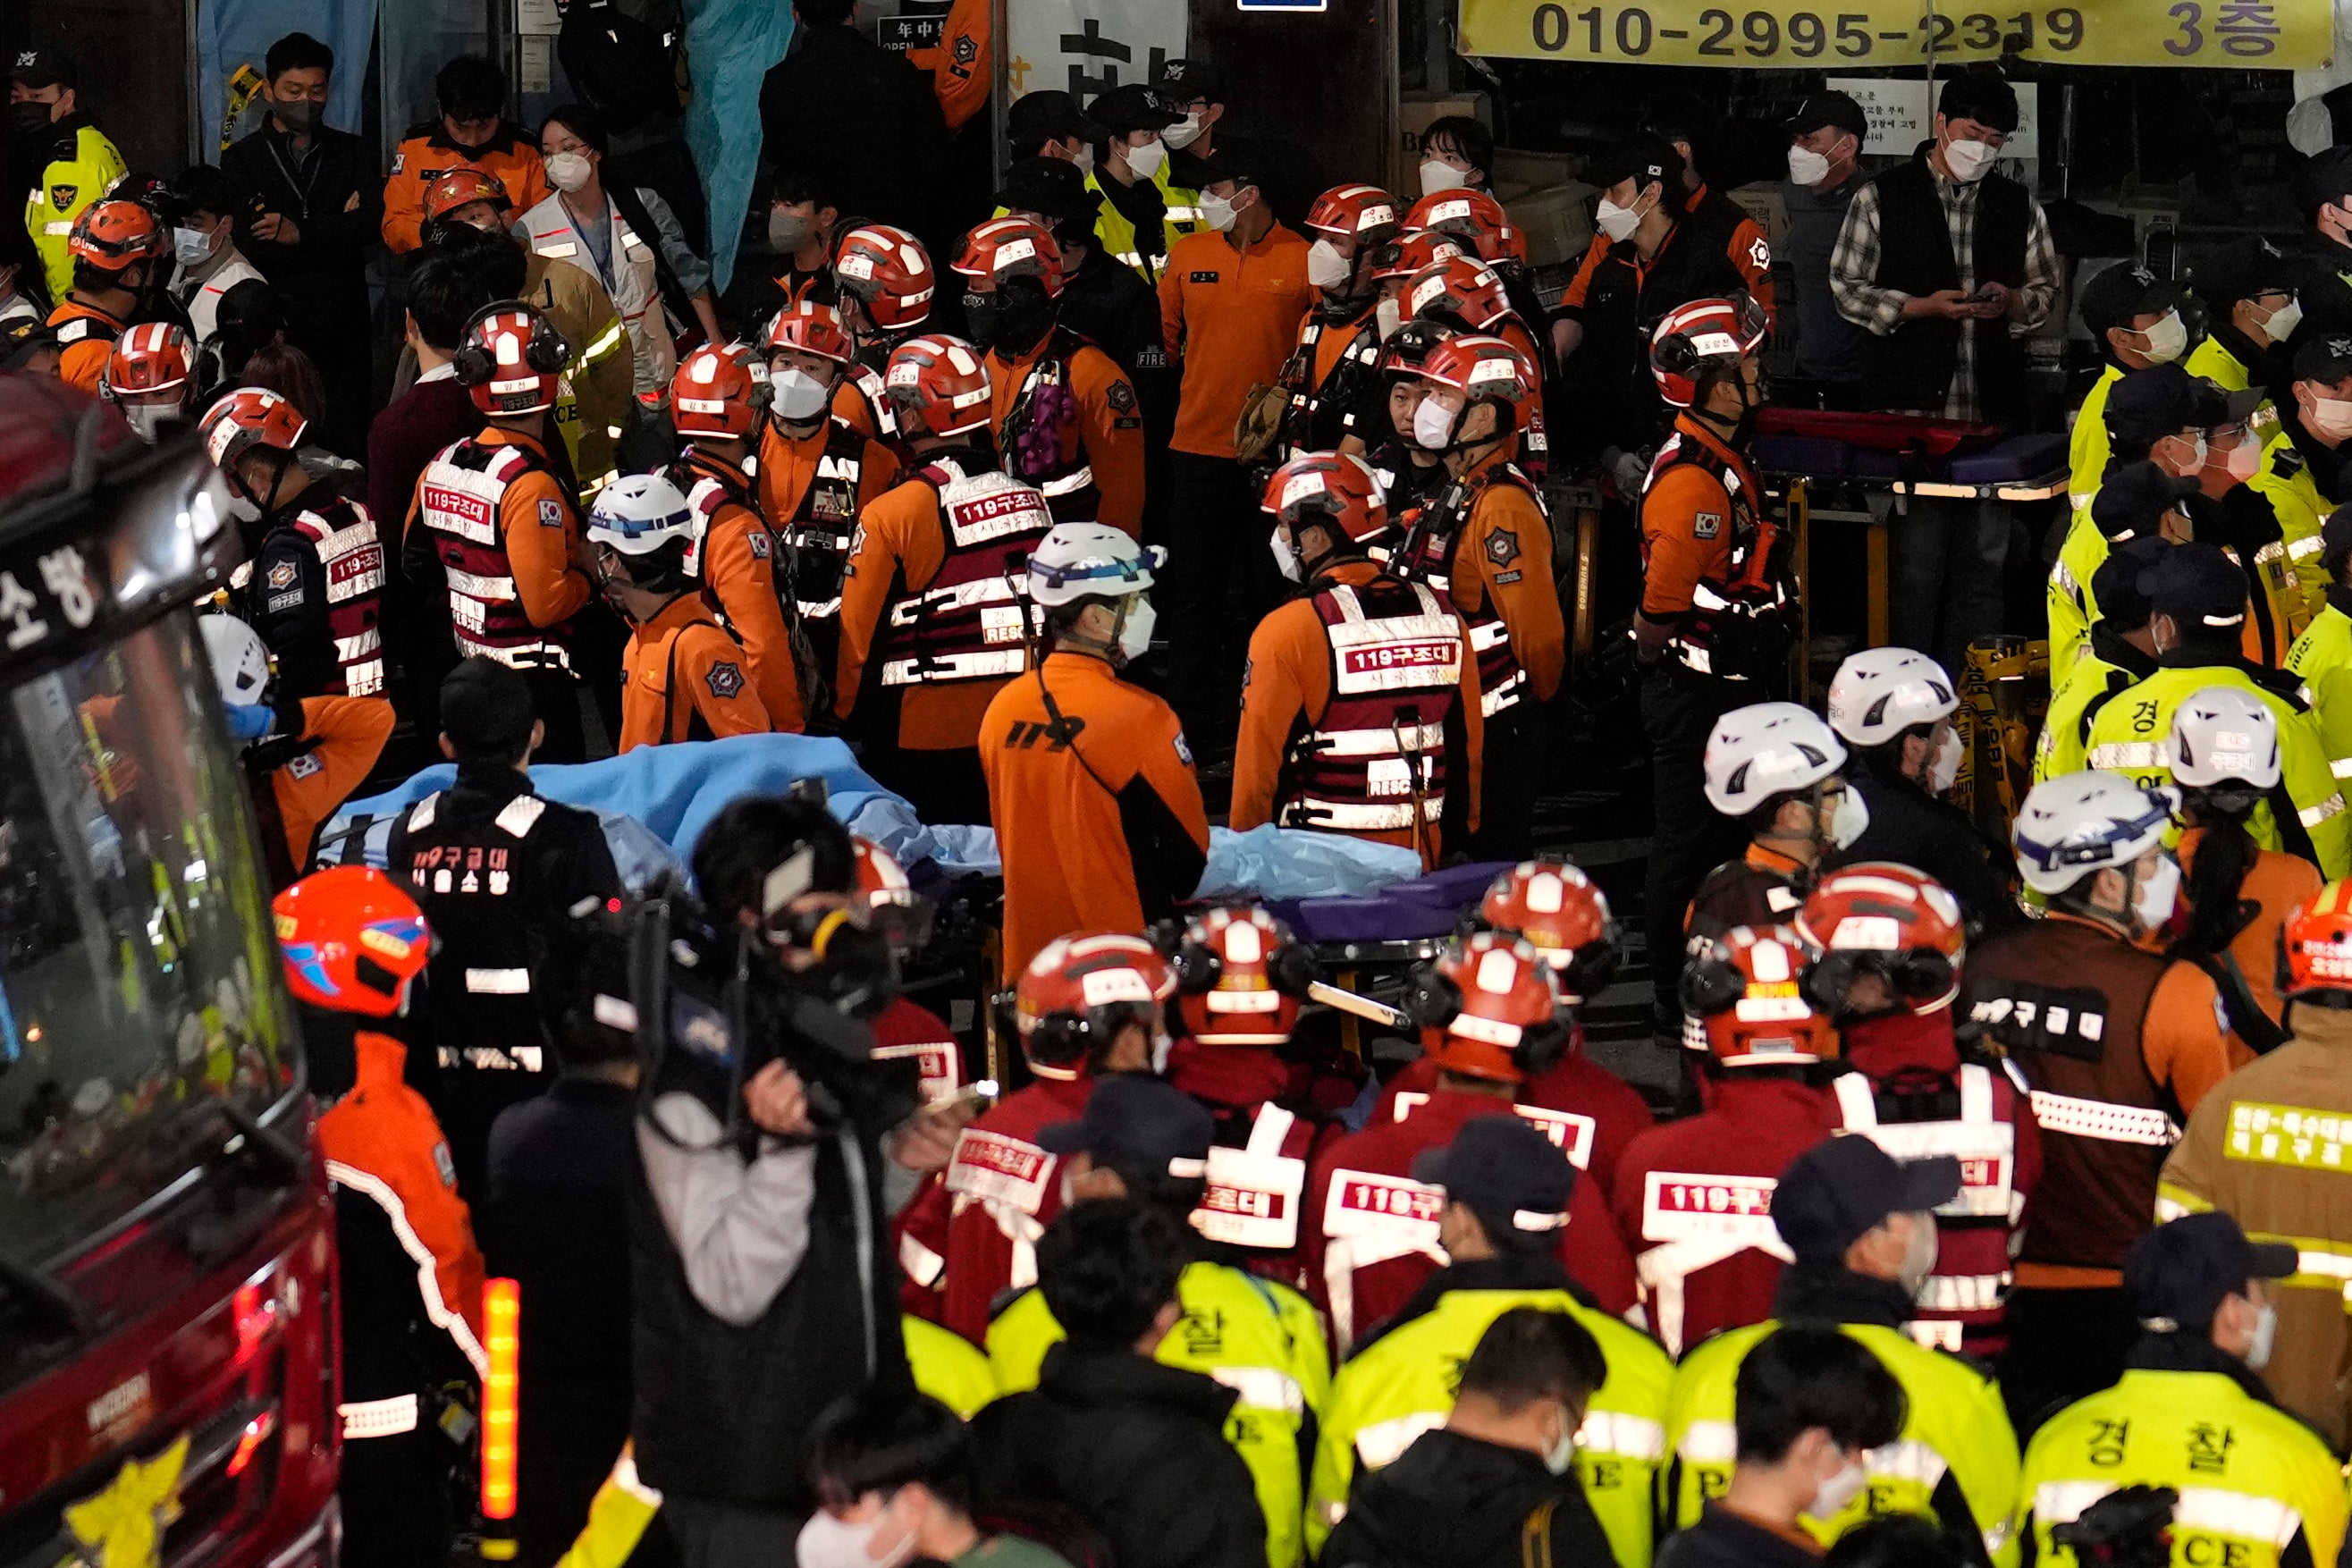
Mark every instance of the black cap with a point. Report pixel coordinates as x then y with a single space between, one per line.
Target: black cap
2176 1275
2196 585
1036 118
22 339
2335 537
1186 80
2163 400
2122 291
2325 359
2115 584
1836 1193
1131 106
1052 187
2131 499
486 708
1225 163
40 66
2245 269
1644 158
1511 1176
2329 177
1821 109
1138 1123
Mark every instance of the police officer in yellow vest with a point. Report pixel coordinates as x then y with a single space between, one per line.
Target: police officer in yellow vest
76 164
1142 1138
2321 656
1861 1227
2302 472
1144 213
947 1366
1507 1198
2257 1489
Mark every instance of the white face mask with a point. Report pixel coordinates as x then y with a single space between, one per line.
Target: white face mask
191 246
2197 455
1135 634
2168 339
1439 175
2258 1355
1944 766
1829 1501
1615 222
797 397
1144 162
2160 891
242 509
1185 135
1969 161
1221 213
1433 425
1086 159
1327 267
1561 1458
568 172
1807 167
2245 458
1286 556
2283 321
1850 820
1920 1254
148 419
1163 1046
829 1542
2331 418
1387 317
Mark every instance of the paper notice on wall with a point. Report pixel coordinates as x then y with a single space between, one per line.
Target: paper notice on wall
1901 114
538 64
1086 46
537 18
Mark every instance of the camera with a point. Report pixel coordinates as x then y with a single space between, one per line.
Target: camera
2125 1529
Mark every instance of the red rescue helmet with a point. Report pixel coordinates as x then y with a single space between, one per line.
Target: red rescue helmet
352 941
889 271
2315 948
1081 992
1334 487
1489 1007
1007 247
811 328
891 904
1408 254
1486 368
1461 287
1240 975
1553 907
1692 342
153 357
1747 991
940 380
1473 217
510 359
247 417
462 186
1365 214
714 395
1407 349
111 234
1878 918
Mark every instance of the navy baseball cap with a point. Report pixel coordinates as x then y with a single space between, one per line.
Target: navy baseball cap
2334 535
2177 1275
2133 498
1821 109
2125 291
2197 584
1834 1193
1138 1123
1644 157
1131 106
2245 269
1190 80
2115 584
2326 359
2163 400
39 67
2327 177
1052 187
1051 115
1511 1176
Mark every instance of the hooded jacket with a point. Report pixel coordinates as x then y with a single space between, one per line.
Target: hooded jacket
1453 1501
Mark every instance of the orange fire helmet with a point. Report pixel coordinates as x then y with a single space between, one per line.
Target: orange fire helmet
2315 948
889 272
1461 287
1365 214
510 359
714 395
1008 247
462 186
1887 920
1081 992
1553 907
1335 486
352 941
247 417
891 904
1240 975
811 328
111 234
153 357
1747 990
940 380
1489 1007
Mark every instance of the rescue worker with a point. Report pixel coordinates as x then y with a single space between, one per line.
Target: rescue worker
592 401
2121 654
817 475
470 131
147 376
2302 474
1333 374
494 526
1087 1007
1140 1138
1778 771
410 1300
72 161
2262 1148
906 1028
934 616
1718 596
882 283
1144 212
117 249
1486 544
1894 708
2250 289
313 587
2225 757
1490 1014
1502 1193
1361 708
2113 1042
2136 320
717 407
683 676
497 868
302 757
2321 658
1891 943
2191 1412
1693 1197
1861 1228
1411 475
1683 119
1063 415
1470 296
1554 907
1098 816
2198 602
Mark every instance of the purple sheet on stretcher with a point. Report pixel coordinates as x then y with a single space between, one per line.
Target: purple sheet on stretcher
1401 911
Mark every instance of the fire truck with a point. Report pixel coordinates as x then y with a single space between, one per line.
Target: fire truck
167 1341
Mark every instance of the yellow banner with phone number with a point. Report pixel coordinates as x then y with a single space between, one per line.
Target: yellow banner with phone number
2235 34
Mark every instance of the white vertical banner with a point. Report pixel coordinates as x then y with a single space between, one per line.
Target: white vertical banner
1086 46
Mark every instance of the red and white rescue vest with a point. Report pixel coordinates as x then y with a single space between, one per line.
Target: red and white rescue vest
1377 761
460 502
973 622
1254 1191
1427 556
1692 1220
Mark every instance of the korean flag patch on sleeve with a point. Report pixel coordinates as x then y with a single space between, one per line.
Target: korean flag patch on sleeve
550 513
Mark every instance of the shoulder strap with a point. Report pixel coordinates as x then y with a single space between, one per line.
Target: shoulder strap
1535 1538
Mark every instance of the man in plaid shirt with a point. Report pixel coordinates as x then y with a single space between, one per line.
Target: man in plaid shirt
1946 304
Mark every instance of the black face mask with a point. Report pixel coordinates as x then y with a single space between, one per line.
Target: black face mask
1012 319
30 119
300 116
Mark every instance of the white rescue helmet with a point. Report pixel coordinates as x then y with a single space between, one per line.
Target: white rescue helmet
240 662
1879 692
2225 735
2077 824
638 513
1767 749
1089 560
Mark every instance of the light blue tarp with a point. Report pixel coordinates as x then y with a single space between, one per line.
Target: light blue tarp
730 47
230 33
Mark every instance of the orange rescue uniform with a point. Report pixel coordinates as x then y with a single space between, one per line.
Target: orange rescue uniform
738 574
350 733
962 63
901 540
1233 312
428 153
2274 883
1099 823
1748 248
787 463
1289 687
1504 560
1108 435
1687 525
83 359
538 557
682 678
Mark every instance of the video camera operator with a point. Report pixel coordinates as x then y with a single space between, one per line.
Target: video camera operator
762 1278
